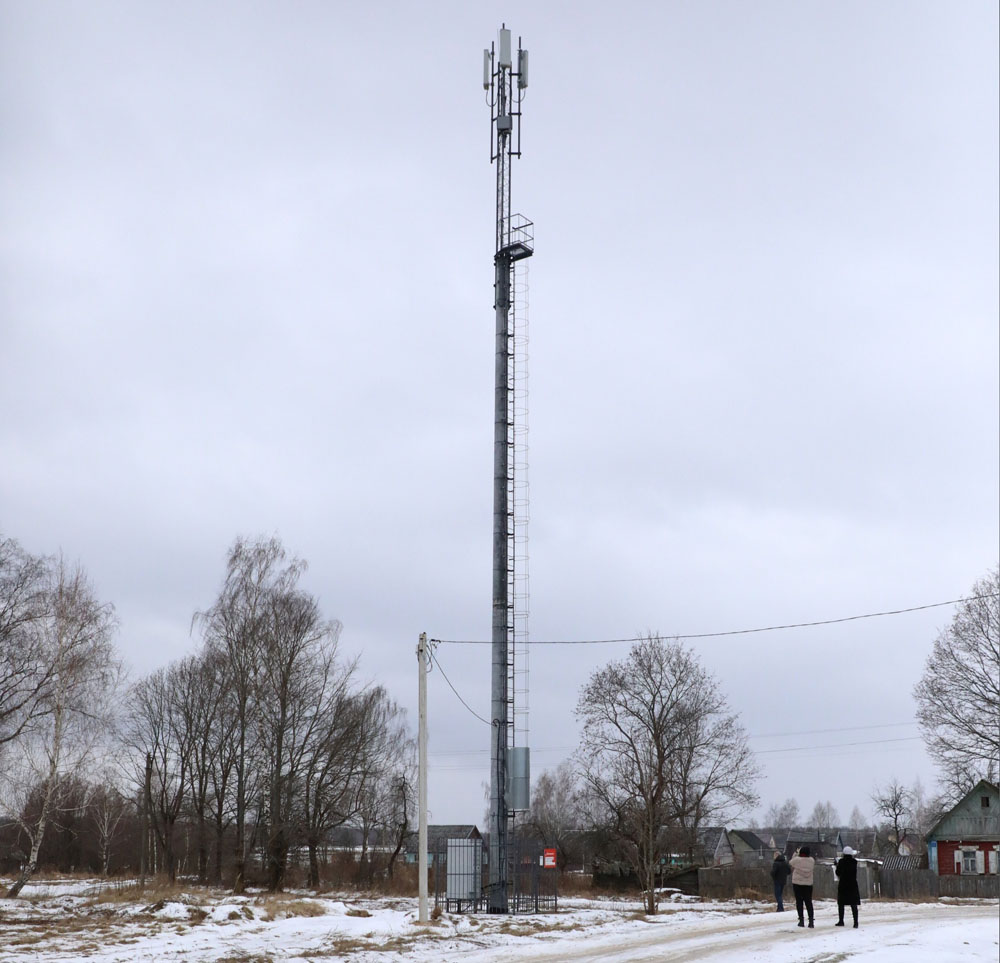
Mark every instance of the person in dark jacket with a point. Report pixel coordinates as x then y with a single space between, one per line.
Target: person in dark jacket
847 886
780 871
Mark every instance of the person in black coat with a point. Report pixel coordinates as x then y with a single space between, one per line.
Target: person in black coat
780 871
847 885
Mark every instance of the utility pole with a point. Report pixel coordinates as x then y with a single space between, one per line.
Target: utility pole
423 657
514 241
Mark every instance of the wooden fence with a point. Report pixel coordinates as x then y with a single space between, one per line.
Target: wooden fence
729 882
926 884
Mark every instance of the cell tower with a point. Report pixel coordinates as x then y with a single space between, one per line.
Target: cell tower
509 762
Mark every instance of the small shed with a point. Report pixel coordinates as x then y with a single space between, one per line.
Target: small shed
965 841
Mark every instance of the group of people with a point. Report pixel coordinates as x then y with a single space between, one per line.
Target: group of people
801 867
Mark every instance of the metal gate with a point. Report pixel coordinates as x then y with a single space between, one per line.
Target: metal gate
461 878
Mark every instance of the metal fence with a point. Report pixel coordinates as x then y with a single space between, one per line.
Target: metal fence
461 878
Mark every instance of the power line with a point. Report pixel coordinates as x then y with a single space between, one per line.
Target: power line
716 635
836 745
763 735
766 735
853 746
815 732
453 689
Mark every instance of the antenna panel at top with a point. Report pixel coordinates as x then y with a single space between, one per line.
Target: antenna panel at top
505 60
487 69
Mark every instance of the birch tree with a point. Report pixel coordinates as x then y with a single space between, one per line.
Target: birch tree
76 631
26 666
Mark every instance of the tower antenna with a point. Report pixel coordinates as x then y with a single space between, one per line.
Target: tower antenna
506 80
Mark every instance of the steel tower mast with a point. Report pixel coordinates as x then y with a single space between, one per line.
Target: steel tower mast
514 241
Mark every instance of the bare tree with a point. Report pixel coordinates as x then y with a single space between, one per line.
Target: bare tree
401 807
26 666
958 697
223 749
198 701
387 796
236 625
108 807
555 814
784 816
857 821
84 671
298 666
157 733
824 815
660 751
894 802
336 765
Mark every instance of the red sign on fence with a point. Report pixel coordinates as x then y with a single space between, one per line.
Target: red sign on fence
548 859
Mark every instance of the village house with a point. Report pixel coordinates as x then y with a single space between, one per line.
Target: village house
748 848
864 842
966 839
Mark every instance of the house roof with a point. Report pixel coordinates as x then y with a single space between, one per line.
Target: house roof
803 836
977 788
863 840
895 861
709 836
750 839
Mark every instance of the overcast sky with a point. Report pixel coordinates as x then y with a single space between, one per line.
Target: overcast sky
247 288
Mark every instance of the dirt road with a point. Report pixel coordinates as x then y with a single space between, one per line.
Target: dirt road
888 931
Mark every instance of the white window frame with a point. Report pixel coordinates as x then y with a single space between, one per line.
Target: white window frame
973 857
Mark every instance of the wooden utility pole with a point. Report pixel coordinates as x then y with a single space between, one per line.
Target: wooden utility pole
423 657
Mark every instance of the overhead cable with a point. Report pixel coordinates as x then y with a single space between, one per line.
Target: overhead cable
453 689
715 635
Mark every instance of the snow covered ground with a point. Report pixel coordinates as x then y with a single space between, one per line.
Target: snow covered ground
71 920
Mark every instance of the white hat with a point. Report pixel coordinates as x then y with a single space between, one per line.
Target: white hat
848 851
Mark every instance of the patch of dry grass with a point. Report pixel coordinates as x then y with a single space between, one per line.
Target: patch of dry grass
343 945
535 927
154 891
282 906
246 958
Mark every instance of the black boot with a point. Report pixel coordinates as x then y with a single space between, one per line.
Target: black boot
800 922
811 924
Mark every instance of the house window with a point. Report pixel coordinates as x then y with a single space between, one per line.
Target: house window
968 861
984 801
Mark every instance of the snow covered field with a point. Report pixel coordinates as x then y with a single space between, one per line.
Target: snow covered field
70 920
